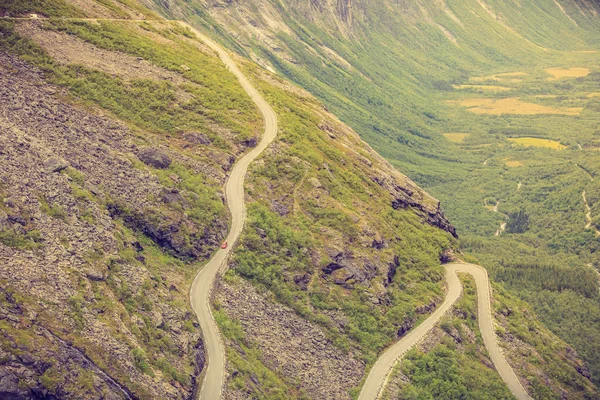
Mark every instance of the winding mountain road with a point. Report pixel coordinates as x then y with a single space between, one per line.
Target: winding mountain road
200 291
379 374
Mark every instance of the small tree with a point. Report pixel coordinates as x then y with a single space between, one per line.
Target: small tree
518 222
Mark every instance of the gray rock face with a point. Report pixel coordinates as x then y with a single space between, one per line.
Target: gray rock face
9 386
345 270
76 258
155 158
197 138
55 164
95 274
433 216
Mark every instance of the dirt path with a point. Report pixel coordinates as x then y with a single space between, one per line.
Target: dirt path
588 214
502 227
379 374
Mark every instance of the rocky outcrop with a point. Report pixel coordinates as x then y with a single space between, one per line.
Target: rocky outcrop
197 138
91 302
22 367
155 158
408 195
177 234
345 270
300 352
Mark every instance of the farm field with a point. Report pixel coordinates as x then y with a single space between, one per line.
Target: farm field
537 142
512 106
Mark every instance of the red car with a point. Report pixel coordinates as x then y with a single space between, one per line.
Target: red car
224 245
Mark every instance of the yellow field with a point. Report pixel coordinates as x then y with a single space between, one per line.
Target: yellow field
483 88
511 106
513 163
593 94
512 74
537 142
456 137
558 73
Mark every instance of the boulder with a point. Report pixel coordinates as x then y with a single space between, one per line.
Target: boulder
55 164
197 138
9 386
95 274
155 158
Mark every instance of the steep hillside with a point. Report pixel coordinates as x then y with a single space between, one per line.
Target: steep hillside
489 105
117 135
375 63
114 152
290 253
117 138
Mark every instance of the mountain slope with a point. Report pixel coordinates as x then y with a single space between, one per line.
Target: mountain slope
404 73
375 63
117 200
340 256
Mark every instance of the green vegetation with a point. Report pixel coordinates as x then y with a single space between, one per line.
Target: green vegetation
53 210
287 236
446 373
518 222
216 96
264 260
29 240
249 368
401 100
207 101
275 246
309 193
50 8
455 365
141 361
63 9
149 104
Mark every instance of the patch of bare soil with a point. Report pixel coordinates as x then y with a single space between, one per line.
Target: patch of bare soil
68 49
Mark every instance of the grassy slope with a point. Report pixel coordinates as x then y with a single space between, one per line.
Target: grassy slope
396 104
277 248
376 92
452 361
304 147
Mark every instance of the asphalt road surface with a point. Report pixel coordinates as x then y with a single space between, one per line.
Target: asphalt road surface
379 374
212 384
